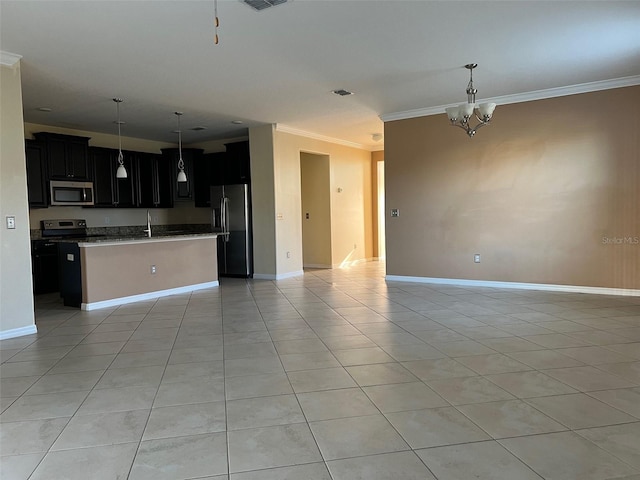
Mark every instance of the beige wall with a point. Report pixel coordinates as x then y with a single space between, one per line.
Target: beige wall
315 179
263 201
277 201
535 194
16 301
115 271
351 222
377 156
183 212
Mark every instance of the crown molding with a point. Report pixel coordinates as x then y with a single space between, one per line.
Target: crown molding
301 133
9 59
523 97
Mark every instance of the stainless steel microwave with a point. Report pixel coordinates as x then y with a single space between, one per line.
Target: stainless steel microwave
71 193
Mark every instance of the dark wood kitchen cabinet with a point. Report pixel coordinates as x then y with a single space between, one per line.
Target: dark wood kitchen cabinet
237 166
36 160
67 156
108 190
208 167
155 181
183 191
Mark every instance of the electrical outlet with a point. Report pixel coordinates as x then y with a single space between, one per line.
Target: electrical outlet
153 269
288 254
395 212
476 258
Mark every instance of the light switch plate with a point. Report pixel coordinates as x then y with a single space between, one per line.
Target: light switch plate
395 212
11 222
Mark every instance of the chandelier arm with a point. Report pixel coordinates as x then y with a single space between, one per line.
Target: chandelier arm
464 126
481 124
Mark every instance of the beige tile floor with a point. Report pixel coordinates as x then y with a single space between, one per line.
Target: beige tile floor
333 375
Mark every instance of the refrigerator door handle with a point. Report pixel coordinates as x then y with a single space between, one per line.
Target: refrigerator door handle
222 219
226 217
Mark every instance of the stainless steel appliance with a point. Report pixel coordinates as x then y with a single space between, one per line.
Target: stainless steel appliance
231 218
44 251
71 193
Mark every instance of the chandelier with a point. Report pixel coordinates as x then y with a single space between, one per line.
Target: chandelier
459 116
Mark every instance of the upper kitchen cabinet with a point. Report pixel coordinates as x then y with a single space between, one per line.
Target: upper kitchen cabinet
36 173
155 181
183 191
108 190
208 167
237 167
67 156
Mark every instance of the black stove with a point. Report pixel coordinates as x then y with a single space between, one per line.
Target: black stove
63 228
44 251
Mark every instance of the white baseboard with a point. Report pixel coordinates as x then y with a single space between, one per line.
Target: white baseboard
263 276
282 276
114 302
515 285
18 332
316 265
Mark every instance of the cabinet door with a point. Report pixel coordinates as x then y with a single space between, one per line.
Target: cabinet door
216 168
183 191
165 182
237 165
145 181
102 162
36 174
77 152
125 188
67 155
206 170
57 158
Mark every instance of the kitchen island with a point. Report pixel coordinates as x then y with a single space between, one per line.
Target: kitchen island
107 271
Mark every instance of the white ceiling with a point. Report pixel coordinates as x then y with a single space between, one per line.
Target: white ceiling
280 65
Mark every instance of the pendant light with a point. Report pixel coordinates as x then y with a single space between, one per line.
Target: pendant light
121 172
182 177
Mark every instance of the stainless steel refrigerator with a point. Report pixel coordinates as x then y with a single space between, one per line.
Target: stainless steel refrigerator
231 218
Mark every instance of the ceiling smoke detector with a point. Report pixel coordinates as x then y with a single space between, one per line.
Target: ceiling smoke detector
263 4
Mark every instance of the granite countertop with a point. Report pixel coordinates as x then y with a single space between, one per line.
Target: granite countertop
160 237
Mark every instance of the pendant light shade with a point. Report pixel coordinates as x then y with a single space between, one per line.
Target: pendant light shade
122 171
182 177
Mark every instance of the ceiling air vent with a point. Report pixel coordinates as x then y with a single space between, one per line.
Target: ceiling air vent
342 92
262 4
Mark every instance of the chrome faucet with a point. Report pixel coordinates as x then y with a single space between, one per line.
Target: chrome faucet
148 230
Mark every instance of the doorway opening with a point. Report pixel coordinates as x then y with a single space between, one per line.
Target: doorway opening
382 251
315 187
